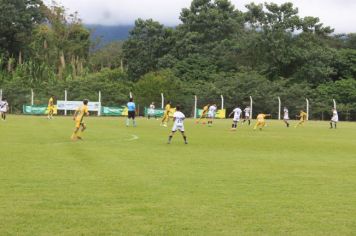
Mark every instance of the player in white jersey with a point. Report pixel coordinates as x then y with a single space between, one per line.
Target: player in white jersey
4 106
178 119
237 116
247 111
334 118
286 116
151 111
211 114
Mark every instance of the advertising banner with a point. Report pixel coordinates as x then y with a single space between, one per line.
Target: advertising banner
74 105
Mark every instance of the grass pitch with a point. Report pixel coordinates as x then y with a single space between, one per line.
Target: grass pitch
128 181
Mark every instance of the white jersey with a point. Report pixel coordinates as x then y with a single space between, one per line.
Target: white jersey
335 117
3 106
286 114
212 111
151 110
237 114
247 112
178 121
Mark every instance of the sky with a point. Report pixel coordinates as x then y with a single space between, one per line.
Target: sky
339 14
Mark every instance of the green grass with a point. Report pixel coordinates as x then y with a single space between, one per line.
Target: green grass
276 182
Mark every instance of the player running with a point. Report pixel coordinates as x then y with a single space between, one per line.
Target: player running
165 118
211 114
178 119
247 111
151 111
131 107
78 118
261 122
50 108
4 107
302 118
204 114
286 116
237 115
334 118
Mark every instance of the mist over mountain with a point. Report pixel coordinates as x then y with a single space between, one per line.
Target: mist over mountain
108 34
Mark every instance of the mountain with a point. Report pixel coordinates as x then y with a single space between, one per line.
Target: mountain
108 34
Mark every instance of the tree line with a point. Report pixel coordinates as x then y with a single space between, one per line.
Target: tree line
265 51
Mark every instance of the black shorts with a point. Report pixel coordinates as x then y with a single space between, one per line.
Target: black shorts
131 114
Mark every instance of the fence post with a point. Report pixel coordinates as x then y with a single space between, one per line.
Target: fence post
130 95
334 103
279 108
65 99
251 106
162 98
0 94
195 106
99 111
307 100
32 97
222 102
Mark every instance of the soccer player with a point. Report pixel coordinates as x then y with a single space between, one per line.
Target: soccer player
237 115
204 114
334 118
151 111
4 107
131 107
211 114
178 119
261 121
247 111
50 107
286 116
78 118
165 118
302 118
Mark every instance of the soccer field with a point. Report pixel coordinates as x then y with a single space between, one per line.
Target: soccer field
128 181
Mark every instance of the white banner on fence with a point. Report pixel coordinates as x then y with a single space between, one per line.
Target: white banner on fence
73 105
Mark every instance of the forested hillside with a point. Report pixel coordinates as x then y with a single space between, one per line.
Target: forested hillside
264 51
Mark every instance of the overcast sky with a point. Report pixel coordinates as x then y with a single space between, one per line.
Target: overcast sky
339 14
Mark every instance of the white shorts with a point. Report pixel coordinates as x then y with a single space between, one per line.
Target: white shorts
211 115
247 116
236 119
3 110
335 119
286 118
178 127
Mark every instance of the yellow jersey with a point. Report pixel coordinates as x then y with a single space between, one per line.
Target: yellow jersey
261 117
303 115
81 112
50 102
206 108
168 107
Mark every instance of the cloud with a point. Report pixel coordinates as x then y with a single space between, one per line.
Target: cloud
337 14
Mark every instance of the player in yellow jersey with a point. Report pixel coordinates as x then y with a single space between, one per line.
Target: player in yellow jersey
165 118
302 118
78 118
50 107
261 121
204 114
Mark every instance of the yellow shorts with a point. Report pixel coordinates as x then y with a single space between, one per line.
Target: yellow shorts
261 123
50 108
78 123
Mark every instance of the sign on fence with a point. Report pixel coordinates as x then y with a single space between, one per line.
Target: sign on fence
73 105
114 111
37 110
220 114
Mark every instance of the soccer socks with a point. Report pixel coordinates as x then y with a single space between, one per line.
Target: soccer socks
249 122
185 139
134 123
331 125
127 122
170 139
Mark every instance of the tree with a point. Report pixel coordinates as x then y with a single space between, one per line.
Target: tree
148 42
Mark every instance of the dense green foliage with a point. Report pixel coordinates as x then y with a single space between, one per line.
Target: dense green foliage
276 182
265 52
